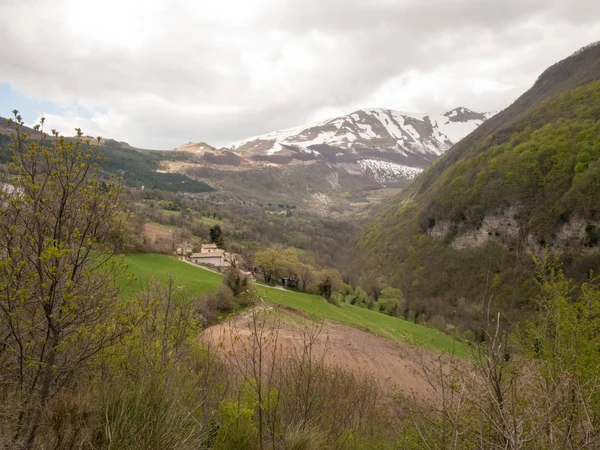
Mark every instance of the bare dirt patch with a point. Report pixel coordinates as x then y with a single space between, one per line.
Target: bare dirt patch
395 367
161 238
155 232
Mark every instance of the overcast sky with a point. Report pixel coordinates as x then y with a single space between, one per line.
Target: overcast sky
159 73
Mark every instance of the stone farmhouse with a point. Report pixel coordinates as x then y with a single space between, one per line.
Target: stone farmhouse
212 255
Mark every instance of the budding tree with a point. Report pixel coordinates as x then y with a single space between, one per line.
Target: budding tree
59 305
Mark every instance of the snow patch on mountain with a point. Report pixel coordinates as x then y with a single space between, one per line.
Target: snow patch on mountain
274 149
383 171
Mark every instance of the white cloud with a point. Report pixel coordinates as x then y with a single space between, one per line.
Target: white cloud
158 73
101 124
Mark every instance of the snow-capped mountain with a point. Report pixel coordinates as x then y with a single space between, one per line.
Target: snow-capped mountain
387 144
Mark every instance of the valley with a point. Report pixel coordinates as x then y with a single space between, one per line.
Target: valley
375 280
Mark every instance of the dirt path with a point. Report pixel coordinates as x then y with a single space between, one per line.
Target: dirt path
395 367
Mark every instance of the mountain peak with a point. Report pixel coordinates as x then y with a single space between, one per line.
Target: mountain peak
378 139
195 147
462 114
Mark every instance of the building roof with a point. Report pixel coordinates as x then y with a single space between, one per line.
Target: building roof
211 246
207 255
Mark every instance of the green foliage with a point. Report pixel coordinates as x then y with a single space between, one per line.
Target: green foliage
330 281
159 384
391 302
359 297
469 336
169 205
545 164
270 262
59 305
216 236
539 168
564 333
236 425
536 387
390 306
237 282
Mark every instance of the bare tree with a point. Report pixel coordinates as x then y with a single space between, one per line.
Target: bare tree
256 359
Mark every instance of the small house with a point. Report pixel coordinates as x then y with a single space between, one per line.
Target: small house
214 257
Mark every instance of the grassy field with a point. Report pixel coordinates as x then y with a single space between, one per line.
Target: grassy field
144 266
160 225
210 221
198 281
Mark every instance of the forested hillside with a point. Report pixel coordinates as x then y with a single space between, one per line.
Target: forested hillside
136 167
524 183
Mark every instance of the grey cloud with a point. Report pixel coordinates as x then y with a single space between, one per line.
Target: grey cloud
193 78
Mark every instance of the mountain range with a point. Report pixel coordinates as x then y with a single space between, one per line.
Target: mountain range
384 144
332 167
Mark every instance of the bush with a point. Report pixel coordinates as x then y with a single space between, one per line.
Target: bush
212 306
334 300
330 281
411 315
236 427
469 336
237 282
389 306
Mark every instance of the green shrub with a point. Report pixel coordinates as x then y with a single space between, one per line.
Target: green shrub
469 336
334 300
236 427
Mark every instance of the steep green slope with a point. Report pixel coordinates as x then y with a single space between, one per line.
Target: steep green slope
548 165
526 180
